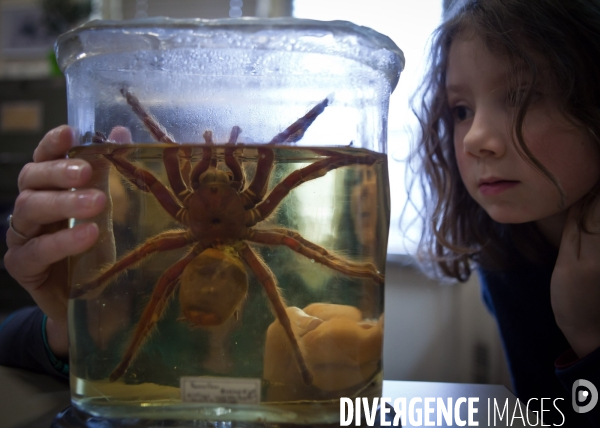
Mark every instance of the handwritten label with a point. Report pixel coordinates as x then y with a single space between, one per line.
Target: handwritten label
220 390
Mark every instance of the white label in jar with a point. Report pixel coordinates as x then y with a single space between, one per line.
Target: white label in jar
221 390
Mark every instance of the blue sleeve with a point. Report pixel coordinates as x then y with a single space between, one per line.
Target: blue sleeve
485 293
23 344
586 368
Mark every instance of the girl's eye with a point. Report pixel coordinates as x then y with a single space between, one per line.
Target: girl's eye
461 113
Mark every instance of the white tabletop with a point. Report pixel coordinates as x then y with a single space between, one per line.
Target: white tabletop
30 400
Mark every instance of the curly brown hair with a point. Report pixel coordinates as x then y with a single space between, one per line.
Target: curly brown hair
554 42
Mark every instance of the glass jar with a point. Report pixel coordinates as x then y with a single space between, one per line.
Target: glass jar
239 273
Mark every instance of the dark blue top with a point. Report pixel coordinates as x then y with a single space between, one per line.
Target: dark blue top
23 344
541 362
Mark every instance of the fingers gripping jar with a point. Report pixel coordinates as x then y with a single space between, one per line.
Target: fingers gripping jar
239 274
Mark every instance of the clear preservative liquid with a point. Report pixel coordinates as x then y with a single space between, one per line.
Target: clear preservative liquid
243 367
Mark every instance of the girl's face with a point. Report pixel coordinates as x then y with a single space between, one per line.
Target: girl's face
495 175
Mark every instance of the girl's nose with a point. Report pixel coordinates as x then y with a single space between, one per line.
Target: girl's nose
486 136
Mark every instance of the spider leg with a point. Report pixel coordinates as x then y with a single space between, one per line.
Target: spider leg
231 161
208 139
300 245
153 312
201 166
163 242
310 172
186 168
147 182
176 173
207 160
155 128
258 187
296 130
266 278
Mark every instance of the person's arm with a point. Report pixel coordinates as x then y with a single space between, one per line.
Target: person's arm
575 291
24 344
575 286
39 241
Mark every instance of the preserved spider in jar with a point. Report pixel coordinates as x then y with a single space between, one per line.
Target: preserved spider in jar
219 212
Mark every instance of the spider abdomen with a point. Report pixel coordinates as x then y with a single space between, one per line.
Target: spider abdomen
212 287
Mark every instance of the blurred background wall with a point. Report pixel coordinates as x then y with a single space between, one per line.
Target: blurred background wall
434 332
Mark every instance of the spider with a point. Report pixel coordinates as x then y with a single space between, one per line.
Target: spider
219 213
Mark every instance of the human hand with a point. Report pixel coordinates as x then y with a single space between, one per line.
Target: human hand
341 350
45 202
575 285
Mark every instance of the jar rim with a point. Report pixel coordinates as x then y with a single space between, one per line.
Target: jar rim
337 38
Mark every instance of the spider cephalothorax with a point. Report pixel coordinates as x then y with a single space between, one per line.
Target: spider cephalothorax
218 212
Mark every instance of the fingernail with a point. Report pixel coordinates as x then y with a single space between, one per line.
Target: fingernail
74 171
86 200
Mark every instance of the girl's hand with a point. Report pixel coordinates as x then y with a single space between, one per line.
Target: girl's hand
575 286
45 202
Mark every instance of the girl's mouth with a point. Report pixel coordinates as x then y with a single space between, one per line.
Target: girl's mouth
488 188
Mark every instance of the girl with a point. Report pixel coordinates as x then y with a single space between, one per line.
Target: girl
510 165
